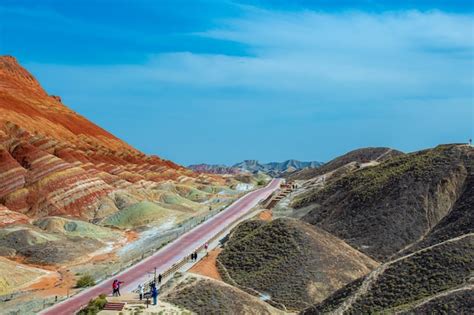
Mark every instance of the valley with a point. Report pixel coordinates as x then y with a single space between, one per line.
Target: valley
75 200
375 230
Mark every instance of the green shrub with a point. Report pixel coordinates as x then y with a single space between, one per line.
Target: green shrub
94 306
85 281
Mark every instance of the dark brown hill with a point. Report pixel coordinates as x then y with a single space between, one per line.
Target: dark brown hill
382 209
291 262
431 280
459 221
203 295
363 155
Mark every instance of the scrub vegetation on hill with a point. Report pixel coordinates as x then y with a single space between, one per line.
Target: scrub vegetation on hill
363 155
459 221
409 280
457 302
203 295
292 262
381 209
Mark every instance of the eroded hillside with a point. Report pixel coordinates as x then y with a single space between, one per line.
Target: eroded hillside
74 196
204 295
384 208
358 156
292 262
413 213
409 282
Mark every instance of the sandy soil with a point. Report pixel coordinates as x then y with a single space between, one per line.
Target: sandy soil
207 266
59 284
266 215
131 236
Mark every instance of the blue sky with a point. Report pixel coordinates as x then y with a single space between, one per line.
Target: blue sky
222 81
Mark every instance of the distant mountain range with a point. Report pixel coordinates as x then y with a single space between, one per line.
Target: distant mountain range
214 169
254 166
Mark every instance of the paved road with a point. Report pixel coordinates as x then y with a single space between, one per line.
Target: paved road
170 254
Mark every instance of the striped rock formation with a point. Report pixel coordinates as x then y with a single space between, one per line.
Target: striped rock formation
55 162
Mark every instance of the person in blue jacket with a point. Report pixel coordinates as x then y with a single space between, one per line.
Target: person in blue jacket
154 294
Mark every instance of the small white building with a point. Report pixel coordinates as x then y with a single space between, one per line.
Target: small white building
244 187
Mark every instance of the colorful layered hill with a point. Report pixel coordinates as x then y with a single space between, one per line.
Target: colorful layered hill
55 162
75 199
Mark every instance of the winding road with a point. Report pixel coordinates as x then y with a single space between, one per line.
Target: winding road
172 253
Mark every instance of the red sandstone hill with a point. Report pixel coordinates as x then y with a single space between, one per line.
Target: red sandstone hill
24 102
56 162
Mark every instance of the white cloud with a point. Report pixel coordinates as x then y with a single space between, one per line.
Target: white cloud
338 77
345 58
403 53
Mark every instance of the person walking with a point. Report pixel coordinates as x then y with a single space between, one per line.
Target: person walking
160 277
154 294
140 291
119 283
150 286
206 246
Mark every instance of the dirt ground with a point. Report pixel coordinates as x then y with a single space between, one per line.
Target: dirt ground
207 266
59 284
266 215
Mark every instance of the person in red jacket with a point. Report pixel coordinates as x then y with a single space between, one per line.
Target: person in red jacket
115 287
119 283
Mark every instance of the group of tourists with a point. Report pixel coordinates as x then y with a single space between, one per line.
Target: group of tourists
194 255
153 287
116 287
153 292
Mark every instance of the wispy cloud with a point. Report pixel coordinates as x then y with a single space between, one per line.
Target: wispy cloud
404 54
369 66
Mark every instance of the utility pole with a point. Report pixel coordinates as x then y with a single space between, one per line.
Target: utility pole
154 277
